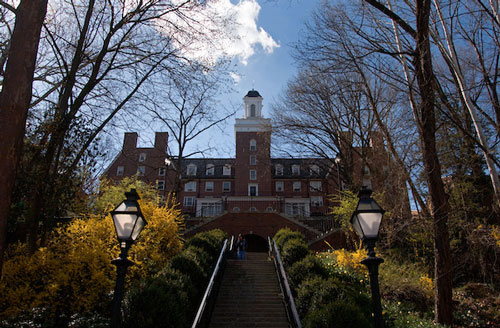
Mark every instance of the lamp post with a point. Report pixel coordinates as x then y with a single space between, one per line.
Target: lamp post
366 221
129 222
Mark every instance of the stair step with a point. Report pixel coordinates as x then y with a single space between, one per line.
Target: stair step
249 295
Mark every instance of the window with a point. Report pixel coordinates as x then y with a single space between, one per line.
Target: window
279 169
226 170
210 209
253 190
236 209
279 185
317 201
270 209
119 170
191 169
160 184
253 175
296 186
209 186
253 209
314 185
314 170
295 169
210 169
226 186
252 110
189 201
161 171
253 160
190 186
141 170
253 144
296 209
366 170
142 157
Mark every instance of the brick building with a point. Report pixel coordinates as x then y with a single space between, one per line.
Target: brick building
294 192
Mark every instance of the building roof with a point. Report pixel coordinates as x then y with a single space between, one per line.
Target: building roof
201 166
253 93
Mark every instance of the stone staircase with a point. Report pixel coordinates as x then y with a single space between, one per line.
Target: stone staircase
249 295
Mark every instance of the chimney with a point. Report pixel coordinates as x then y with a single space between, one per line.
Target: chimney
130 141
161 141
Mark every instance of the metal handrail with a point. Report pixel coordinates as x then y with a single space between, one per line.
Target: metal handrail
208 291
290 303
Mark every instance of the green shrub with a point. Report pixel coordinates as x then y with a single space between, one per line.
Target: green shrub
397 315
187 263
314 293
294 250
162 301
336 314
307 268
210 241
284 235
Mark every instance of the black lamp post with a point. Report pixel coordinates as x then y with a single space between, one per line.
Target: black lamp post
129 222
366 221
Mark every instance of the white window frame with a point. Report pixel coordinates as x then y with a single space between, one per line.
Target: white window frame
207 186
141 170
314 169
160 184
295 183
210 170
250 185
162 171
190 186
253 160
295 169
278 170
142 157
191 170
189 201
315 186
253 175
224 189
297 208
253 144
316 201
226 170
119 170
279 186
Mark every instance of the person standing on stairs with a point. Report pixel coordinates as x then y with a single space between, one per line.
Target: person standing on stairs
241 247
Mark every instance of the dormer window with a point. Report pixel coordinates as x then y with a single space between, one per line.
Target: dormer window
252 110
226 170
210 169
295 169
314 170
279 169
142 157
253 144
191 169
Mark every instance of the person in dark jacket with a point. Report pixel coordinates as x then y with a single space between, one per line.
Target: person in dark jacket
241 247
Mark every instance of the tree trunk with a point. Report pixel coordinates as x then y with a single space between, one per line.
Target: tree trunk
439 200
15 98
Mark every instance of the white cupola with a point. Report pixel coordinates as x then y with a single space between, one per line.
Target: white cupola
253 105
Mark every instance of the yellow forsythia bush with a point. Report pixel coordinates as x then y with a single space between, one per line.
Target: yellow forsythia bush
73 274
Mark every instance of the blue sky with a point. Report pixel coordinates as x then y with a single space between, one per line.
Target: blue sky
266 72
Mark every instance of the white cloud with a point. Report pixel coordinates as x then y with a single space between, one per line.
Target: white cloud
221 29
236 78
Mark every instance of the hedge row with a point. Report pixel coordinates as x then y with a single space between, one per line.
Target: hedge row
322 299
171 298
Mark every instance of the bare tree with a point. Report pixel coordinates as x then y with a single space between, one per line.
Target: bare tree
186 104
15 98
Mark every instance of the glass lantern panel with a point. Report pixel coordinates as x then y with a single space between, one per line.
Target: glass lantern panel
138 227
127 206
370 223
357 227
124 223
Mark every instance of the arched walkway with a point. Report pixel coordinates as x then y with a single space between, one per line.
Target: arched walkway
256 243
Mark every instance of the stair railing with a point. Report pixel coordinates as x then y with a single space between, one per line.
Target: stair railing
206 306
291 310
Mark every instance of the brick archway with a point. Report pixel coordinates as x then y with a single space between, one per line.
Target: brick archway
256 243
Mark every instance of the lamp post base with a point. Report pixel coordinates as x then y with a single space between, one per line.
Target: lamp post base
122 263
372 262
